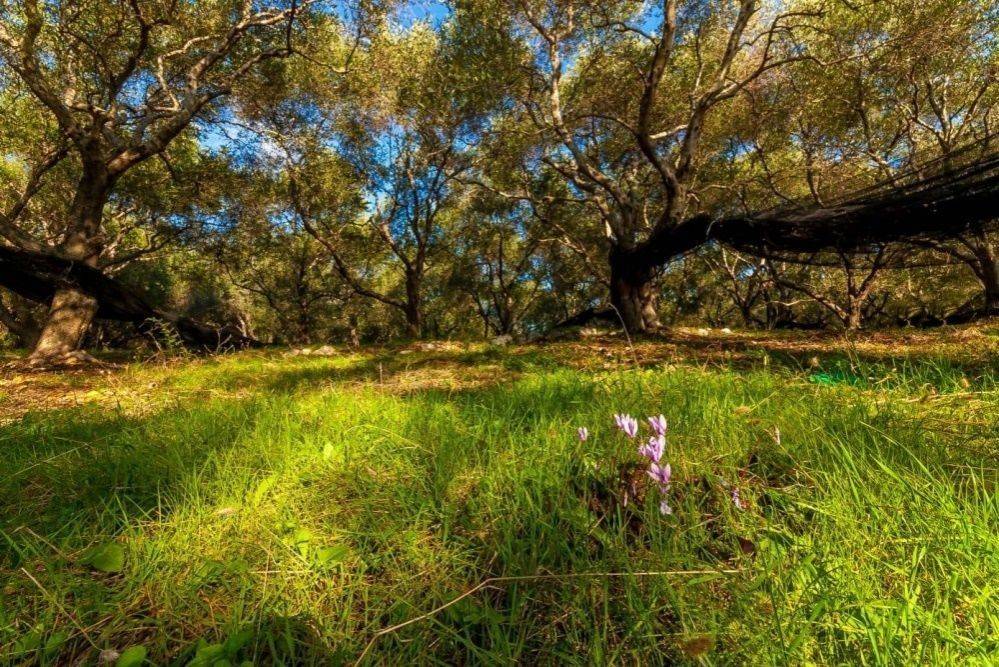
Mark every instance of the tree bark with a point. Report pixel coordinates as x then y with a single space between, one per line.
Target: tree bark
854 315
354 332
70 315
633 294
988 273
72 310
992 294
958 201
414 305
506 316
303 324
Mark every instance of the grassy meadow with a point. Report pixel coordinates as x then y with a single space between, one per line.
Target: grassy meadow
433 505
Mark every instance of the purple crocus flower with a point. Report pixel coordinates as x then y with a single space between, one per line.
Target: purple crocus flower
736 500
660 475
583 433
658 424
654 448
664 507
627 424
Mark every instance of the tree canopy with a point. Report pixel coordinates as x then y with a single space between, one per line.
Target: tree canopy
301 171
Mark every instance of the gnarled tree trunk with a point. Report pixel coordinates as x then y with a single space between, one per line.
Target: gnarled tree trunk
70 315
72 310
633 294
414 305
506 315
854 319
992 294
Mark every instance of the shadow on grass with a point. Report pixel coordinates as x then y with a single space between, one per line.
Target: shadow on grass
481 470
62 466
803 352
82 476
61 463
65 465
827 359
289 374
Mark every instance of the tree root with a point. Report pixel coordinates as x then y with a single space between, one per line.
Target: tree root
75 360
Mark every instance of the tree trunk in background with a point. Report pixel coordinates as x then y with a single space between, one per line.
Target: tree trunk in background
506 316
69 319
354 332
303 325
992 292
414 321
778 315
633 294
854 315
988 273
72 311
414 305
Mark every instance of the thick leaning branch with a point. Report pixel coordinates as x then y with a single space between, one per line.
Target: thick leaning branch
946 205
38 276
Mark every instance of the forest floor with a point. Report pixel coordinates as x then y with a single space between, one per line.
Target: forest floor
433 503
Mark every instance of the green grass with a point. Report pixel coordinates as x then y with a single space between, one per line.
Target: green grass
287 510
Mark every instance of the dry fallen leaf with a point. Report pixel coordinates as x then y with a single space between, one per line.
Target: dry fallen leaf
697 646
747 546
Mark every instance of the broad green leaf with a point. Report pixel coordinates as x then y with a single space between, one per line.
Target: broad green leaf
207 654
331 555
133 656
237 641
109 557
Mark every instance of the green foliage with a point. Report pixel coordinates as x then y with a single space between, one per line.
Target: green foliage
366 185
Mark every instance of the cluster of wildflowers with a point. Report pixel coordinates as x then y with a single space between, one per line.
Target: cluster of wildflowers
653 450
627 424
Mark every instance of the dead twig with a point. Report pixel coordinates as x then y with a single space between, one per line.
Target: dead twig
71 618
531 577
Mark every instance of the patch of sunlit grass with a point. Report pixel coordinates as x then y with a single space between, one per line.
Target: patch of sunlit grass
273 508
